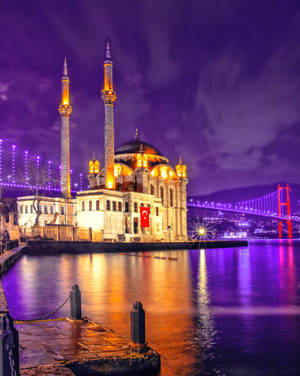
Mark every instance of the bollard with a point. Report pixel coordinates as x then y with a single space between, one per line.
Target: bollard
75 302
9 346
137 316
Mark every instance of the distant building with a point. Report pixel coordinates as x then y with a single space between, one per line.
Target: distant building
137 195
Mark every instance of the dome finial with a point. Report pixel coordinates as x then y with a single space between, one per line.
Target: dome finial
141 149
136 134
94 156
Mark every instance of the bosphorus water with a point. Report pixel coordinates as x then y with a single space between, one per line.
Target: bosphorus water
231 311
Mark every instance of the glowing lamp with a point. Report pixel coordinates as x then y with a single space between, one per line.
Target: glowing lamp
201 231
109 184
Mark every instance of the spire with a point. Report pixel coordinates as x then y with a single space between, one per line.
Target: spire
65 67
107 51
136 134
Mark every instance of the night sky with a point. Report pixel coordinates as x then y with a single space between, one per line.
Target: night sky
217 82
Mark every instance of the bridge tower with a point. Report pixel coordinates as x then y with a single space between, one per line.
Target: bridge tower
284 202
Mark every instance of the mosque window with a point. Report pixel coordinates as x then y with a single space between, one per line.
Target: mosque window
142 204
126 207
97 205
120 206
152 189
135 225
114 206
90 205
171 197
62 210
107 205
51 209
25 209
135 207
21 209
83 205
45 209
157 211
162 195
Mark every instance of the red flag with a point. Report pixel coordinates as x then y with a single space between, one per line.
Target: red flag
144 212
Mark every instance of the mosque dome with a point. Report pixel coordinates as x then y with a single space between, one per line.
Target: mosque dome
134 147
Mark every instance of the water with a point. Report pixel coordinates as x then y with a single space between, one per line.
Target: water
211 312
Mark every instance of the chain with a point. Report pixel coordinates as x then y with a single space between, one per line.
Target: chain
11 360
48 314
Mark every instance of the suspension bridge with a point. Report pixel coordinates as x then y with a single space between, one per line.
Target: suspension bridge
22 170
274 205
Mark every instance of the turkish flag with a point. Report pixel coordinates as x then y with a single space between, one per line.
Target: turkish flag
144 212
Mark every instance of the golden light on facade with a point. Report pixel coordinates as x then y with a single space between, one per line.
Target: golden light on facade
145 161
181 169
110 184
139 160
117 170
94 166
164 172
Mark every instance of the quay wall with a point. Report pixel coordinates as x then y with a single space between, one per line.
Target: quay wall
50 246
7 259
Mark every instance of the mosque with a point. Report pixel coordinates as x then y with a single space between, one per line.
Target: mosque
136 196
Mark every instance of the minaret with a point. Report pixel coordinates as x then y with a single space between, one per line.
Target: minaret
65 110
109 97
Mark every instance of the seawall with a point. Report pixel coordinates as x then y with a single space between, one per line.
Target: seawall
50 246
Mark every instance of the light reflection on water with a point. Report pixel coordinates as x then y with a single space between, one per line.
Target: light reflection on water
212 312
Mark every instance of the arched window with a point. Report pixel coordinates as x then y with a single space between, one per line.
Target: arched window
107 205
126 207
157 211
120 206
135 207
45 209
97 205
152 189
114 206
171 197
162 195
83 205
90 205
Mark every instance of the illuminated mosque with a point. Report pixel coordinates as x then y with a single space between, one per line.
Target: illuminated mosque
136 196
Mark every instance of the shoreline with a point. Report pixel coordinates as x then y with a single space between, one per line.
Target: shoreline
54 247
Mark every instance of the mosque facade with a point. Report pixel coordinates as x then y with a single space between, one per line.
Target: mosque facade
136 196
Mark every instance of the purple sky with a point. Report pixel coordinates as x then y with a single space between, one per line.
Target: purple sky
217 82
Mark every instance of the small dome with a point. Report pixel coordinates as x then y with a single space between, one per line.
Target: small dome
133 147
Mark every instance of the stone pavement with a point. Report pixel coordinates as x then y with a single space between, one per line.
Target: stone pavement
50 347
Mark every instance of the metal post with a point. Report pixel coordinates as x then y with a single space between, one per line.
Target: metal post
9 346
75 302
137 316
